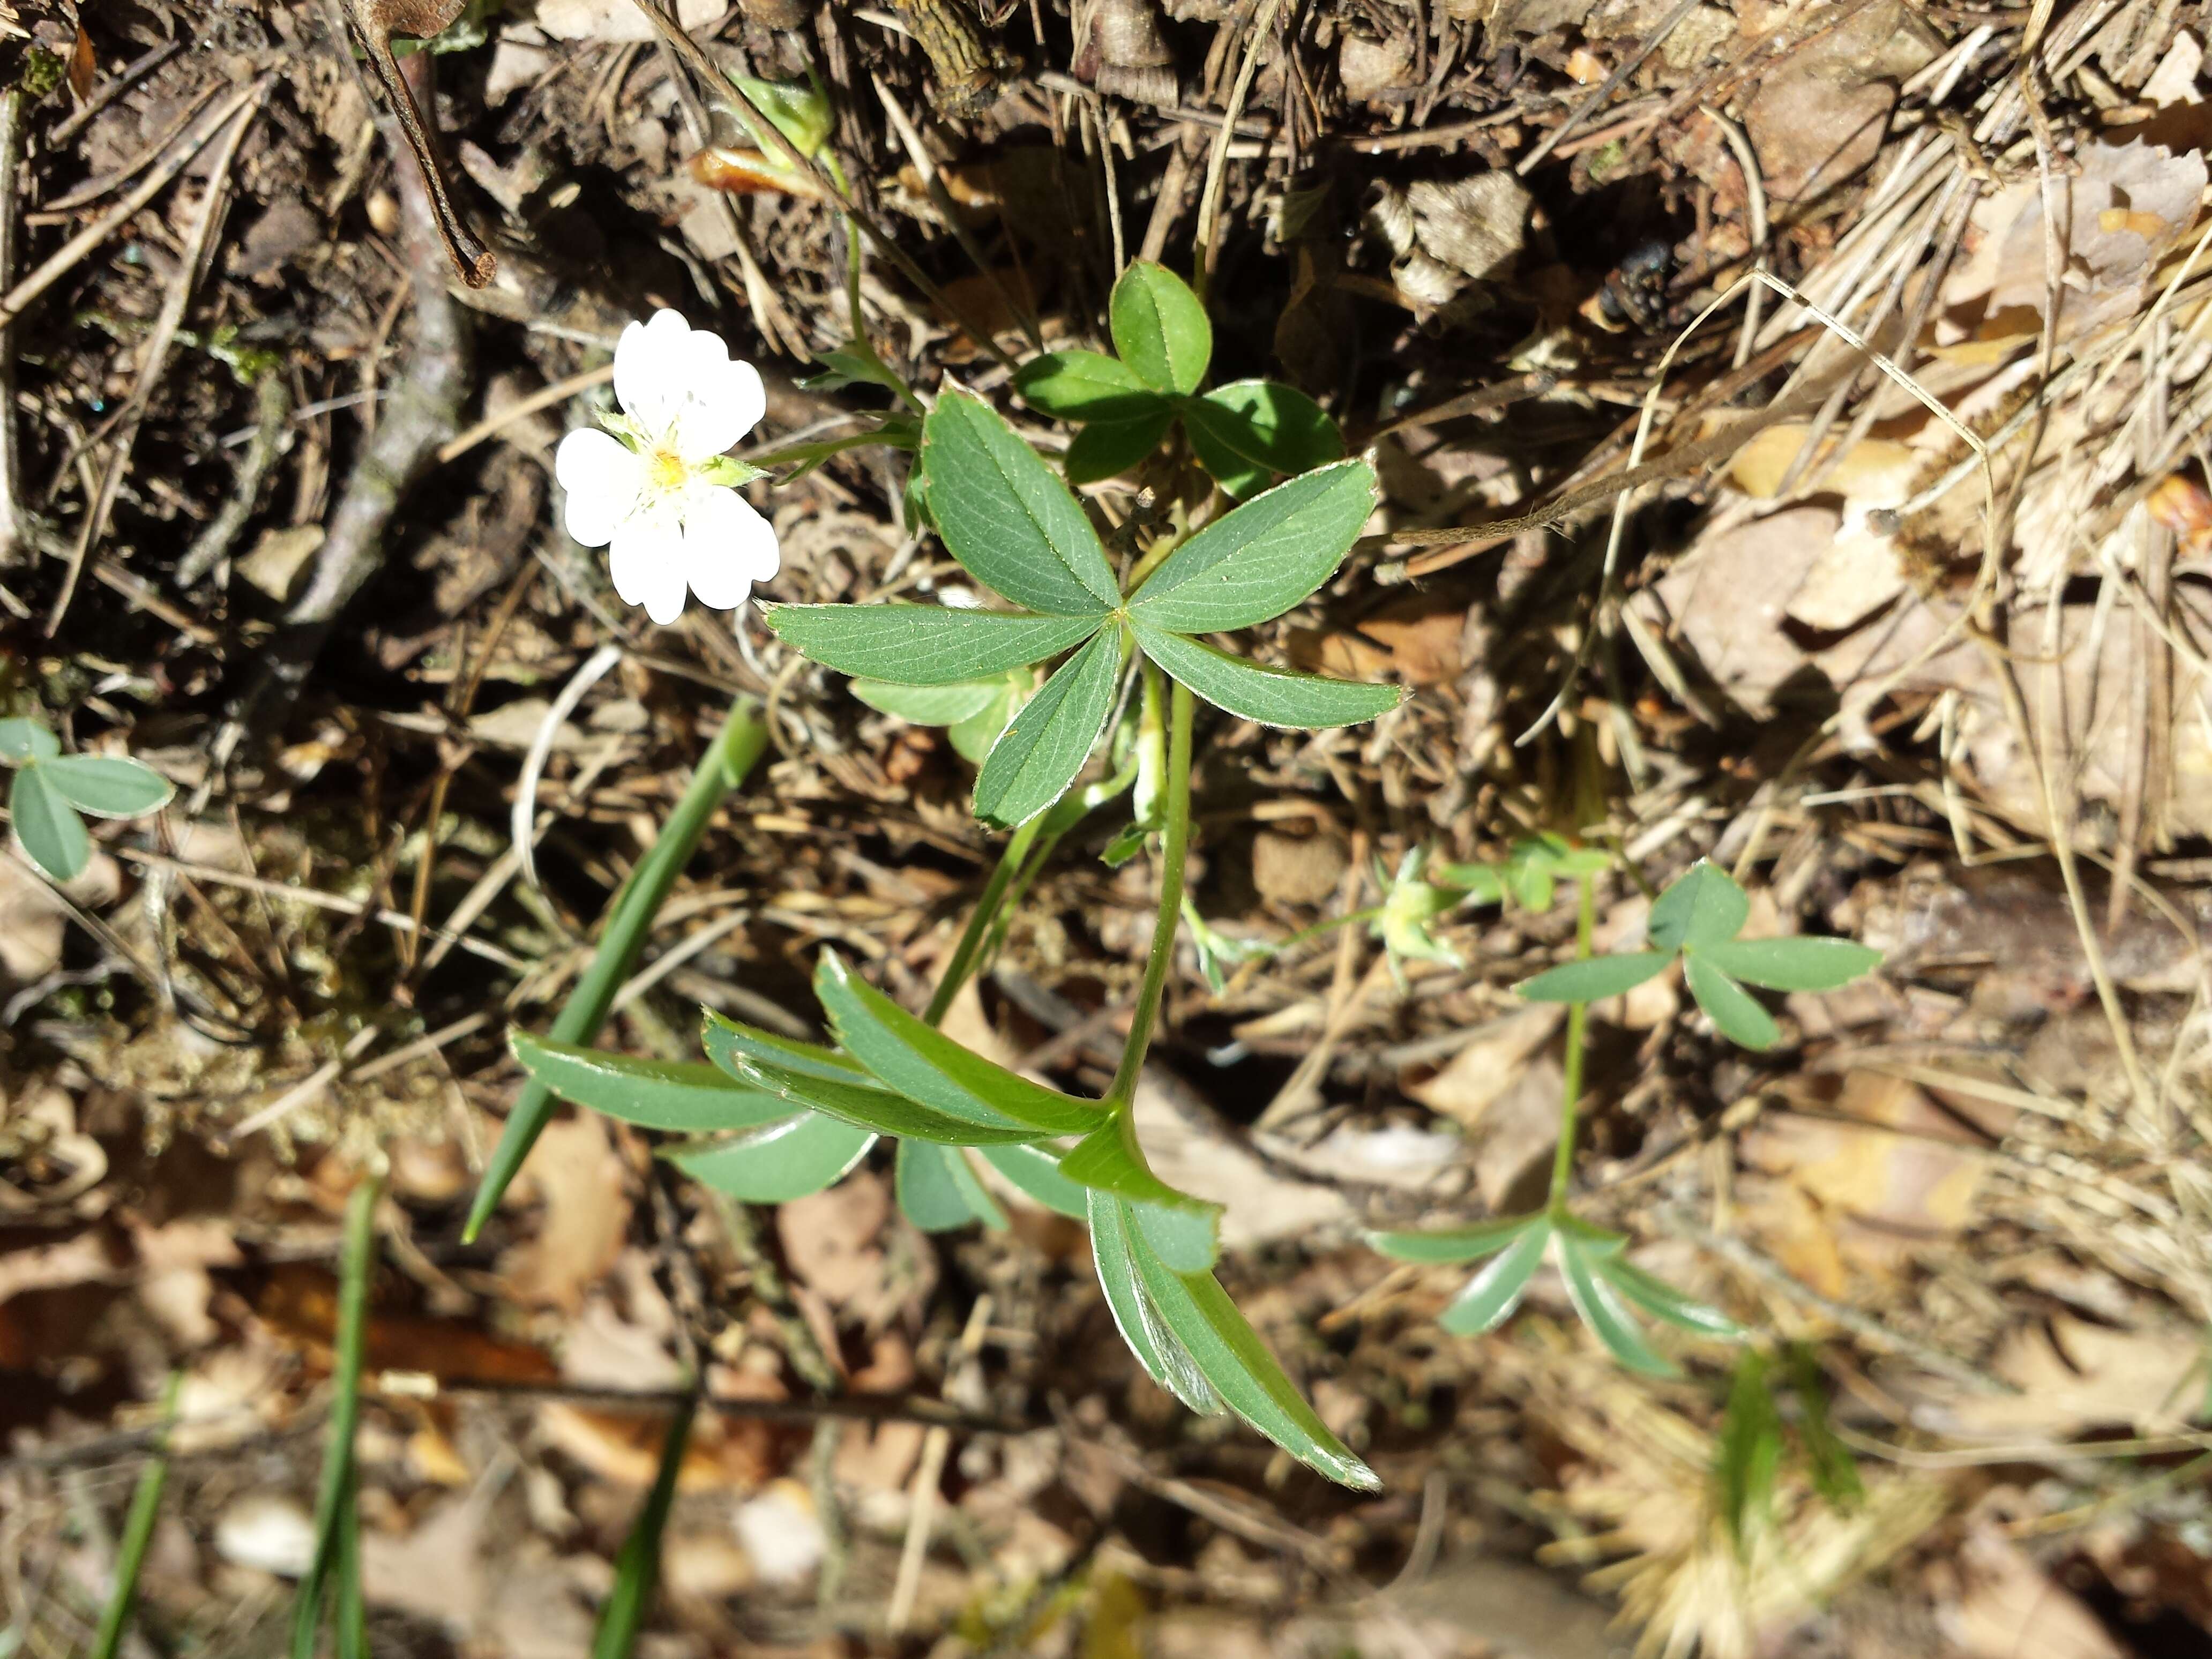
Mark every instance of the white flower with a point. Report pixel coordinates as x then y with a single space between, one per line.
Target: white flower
662 503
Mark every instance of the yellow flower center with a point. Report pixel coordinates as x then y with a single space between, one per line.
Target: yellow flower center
666 469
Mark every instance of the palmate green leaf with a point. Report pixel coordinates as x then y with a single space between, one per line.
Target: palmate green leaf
939 1191
48 826
653 1094
923 645
1082 387
22 740
1602 1309
1592 979
1455 1243
1006 518
1657 1298
1492 1295
931 705
1156 1348
1793 964
1250 432
929 1068
1735 1013
1034 1170
1703 906
1044 746
875 1110
1109 1160
1272 697
1106 448
778 1162
1254 563
1159 328
1230 1356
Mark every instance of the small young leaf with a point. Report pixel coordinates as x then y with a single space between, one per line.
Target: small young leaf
877 1110
108 786
1035 1171
1793 964
1592 979
778 1162
1602 1311
1085 386
1230 1356
1481 883
1272 697
1106 448
1655 1296
1703 906
22 740
930 705
1006 518
48 826
923 644
1749 1451
653 1094
1044 746
1254 563
1246 433
1159 328
939 1191
1735 1013
1492 1295
1455 1243
927 1066
1163 1356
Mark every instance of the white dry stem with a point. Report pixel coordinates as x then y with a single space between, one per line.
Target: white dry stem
522 819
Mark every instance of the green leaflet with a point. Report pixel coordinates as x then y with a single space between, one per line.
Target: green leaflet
1454 1243
930 705
877 1110
1004 516
1703 906
1601 1309
1109 1160
1792 964
1249 432
1085 386
48 825
1592 979
653 1094
1736 1012
1160 330
1490 1296
1034 1170
939 1191
1272 697
107 786
1254 563
923 645
1156 1348
1044 746
778 1162
1106 448
23 740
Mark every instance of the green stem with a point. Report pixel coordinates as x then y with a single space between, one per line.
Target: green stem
1181 711
637 1569
138 1531
348 1345
966 954
736 749
1563 1160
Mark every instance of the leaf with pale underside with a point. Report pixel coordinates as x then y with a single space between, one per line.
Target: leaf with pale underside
1600 1307
1490 1296
1034 1171
939 1191
1181 1225
1156 1348
778 1162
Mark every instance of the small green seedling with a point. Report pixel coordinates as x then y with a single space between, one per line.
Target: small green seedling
53 789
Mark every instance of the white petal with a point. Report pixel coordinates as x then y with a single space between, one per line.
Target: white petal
603 480
653 369
646 563
726 401
728 547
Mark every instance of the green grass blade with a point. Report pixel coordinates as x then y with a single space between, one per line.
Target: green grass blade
637 1569
138 1531
736 748
334 1495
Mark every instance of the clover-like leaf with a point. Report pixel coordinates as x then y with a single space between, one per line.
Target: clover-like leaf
1272 697
1703 906
1105 448
1602 1309
923 645
1793 964
1156 1348
1034 1170
23 740
1159 328
778 1162
1044 746
1655 1296
928 1068
1250 432
1011 523
1592 979
1254 563
1490 1296
108 786
48 825
939 1191
653 1094
1249 1380
1735 1013
1081 386
1455 1243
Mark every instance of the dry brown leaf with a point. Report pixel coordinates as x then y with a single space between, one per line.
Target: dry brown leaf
2010 1608
1728 602
830 1238
1424 643
724 1454
1479 1073
584 1218
2074 1376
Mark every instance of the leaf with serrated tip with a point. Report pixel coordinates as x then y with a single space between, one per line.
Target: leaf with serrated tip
923 644
1272 697
1006 518
1044 746
1254 563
